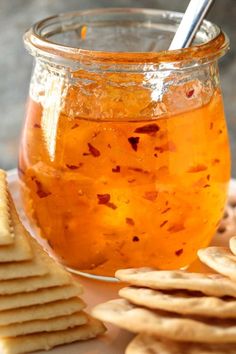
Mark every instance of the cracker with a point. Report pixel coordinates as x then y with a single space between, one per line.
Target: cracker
220 259
145 344
171 326
41 296
52 279
46 261
40 312
6 234
20 270
41 264
181 302
209 284
48 325
20 249
232 245
46 341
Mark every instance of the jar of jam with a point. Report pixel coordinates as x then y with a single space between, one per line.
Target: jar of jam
124 158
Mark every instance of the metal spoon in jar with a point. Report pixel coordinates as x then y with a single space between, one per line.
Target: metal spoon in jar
190 23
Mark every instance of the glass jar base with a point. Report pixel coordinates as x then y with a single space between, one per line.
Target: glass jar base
92 276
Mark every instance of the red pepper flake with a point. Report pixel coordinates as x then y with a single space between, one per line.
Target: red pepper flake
159 149
197 168
155 155
116 169
148 129
74 167
166 210
138 169
41 191
135 239
36 125
206 186
95 152
134 140
75 126
179 252
190 93
211 125
215 161
131 180
163 223
170 146
151 195
111 205
176 228
103 198
208 177
220 131
96 134
109 146
129 221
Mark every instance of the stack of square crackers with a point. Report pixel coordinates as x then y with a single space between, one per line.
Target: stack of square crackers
178 312
39 303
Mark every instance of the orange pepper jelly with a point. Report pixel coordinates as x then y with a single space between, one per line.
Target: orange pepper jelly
124 158
109 191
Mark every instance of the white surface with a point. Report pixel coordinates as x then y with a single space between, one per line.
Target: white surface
115 340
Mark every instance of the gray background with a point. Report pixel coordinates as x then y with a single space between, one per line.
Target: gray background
15 64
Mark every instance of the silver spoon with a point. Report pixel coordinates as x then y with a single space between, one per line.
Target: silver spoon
190 23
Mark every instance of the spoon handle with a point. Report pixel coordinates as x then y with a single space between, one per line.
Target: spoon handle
191 20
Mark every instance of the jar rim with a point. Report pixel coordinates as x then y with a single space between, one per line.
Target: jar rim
38 43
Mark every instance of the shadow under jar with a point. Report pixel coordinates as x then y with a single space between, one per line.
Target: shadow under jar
124 158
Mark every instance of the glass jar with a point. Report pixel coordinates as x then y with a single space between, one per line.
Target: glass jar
124 158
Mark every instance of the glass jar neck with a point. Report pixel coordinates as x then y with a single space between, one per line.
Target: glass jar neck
121 40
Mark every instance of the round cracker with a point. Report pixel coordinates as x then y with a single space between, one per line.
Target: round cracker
209 284
232 245
171 326
182 302
145 344
220 259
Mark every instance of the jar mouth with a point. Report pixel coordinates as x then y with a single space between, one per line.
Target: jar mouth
113 35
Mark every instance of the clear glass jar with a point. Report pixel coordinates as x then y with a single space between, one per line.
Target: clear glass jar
124 159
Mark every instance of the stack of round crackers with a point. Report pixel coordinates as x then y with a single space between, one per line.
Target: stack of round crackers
178 312
40 305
